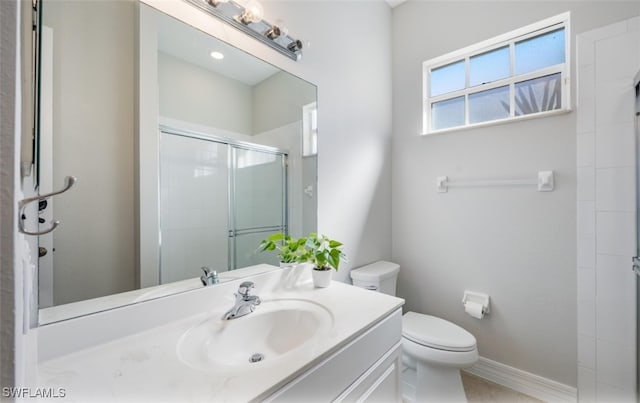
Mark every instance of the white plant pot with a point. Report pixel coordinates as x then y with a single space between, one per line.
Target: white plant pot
291 277
321 278
284 265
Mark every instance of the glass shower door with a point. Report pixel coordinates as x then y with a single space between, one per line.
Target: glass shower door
193 206
258 203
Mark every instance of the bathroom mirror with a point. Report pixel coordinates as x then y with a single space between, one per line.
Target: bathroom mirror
187 152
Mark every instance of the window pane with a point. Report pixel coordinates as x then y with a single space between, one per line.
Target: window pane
447 78
490 66
489 105
540 51
449 113
539 95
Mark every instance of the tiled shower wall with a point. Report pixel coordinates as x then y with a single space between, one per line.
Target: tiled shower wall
608 60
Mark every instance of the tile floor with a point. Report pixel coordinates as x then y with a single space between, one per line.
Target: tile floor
479 390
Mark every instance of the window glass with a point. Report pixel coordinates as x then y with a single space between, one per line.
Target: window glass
309 130
522 72
490 66
449 113
448 78
538 95
489 105
540 51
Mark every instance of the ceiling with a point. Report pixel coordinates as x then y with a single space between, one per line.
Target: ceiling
191 45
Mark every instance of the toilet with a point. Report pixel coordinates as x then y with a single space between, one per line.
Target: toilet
433 349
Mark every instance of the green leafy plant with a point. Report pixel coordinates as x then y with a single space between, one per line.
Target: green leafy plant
324 253
290 250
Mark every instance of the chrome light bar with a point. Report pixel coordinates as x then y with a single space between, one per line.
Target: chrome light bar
244 20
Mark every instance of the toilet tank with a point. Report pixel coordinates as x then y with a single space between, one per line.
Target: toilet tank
380 276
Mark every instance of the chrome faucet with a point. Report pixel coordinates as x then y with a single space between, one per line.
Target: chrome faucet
245 303
210 277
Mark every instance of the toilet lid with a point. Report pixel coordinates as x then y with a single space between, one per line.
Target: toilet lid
436 333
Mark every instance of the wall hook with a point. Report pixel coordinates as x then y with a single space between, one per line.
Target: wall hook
69 182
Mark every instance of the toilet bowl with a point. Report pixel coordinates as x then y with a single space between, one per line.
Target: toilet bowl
433 349
436 350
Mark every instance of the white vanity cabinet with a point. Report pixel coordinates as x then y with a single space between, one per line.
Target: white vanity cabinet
366 369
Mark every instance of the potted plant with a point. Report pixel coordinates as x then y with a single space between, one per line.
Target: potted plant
291 251
325 255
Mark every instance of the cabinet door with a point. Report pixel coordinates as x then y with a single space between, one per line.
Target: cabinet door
380 383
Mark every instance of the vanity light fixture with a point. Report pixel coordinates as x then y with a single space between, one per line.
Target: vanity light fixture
249 19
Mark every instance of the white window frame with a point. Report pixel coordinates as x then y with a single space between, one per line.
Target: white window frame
509 39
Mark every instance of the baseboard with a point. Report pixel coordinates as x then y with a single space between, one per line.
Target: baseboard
522 381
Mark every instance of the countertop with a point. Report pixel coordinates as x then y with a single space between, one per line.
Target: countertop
145 366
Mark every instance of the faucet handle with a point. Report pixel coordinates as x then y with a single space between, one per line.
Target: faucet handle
245 288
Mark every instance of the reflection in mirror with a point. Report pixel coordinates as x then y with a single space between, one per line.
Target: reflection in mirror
187 151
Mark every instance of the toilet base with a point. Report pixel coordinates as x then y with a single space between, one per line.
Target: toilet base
408 384
436 384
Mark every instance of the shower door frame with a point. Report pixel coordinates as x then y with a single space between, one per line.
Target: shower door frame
231 145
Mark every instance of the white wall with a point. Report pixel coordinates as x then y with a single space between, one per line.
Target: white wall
278 101
608 60
86 142
309 206
515 244
191 93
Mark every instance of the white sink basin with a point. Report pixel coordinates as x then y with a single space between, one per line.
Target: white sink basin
278 329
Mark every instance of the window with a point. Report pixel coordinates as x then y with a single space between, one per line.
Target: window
310 130
524 73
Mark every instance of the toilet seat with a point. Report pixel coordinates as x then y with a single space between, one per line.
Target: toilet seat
436 333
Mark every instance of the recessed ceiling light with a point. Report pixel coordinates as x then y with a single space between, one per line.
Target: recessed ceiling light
217 55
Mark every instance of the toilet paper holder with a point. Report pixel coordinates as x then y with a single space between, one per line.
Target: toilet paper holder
477 297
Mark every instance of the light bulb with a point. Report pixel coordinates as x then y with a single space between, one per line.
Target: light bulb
273 33
217 55
277 29
295 46
253 13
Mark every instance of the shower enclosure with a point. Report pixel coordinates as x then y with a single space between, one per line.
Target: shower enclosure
218 199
